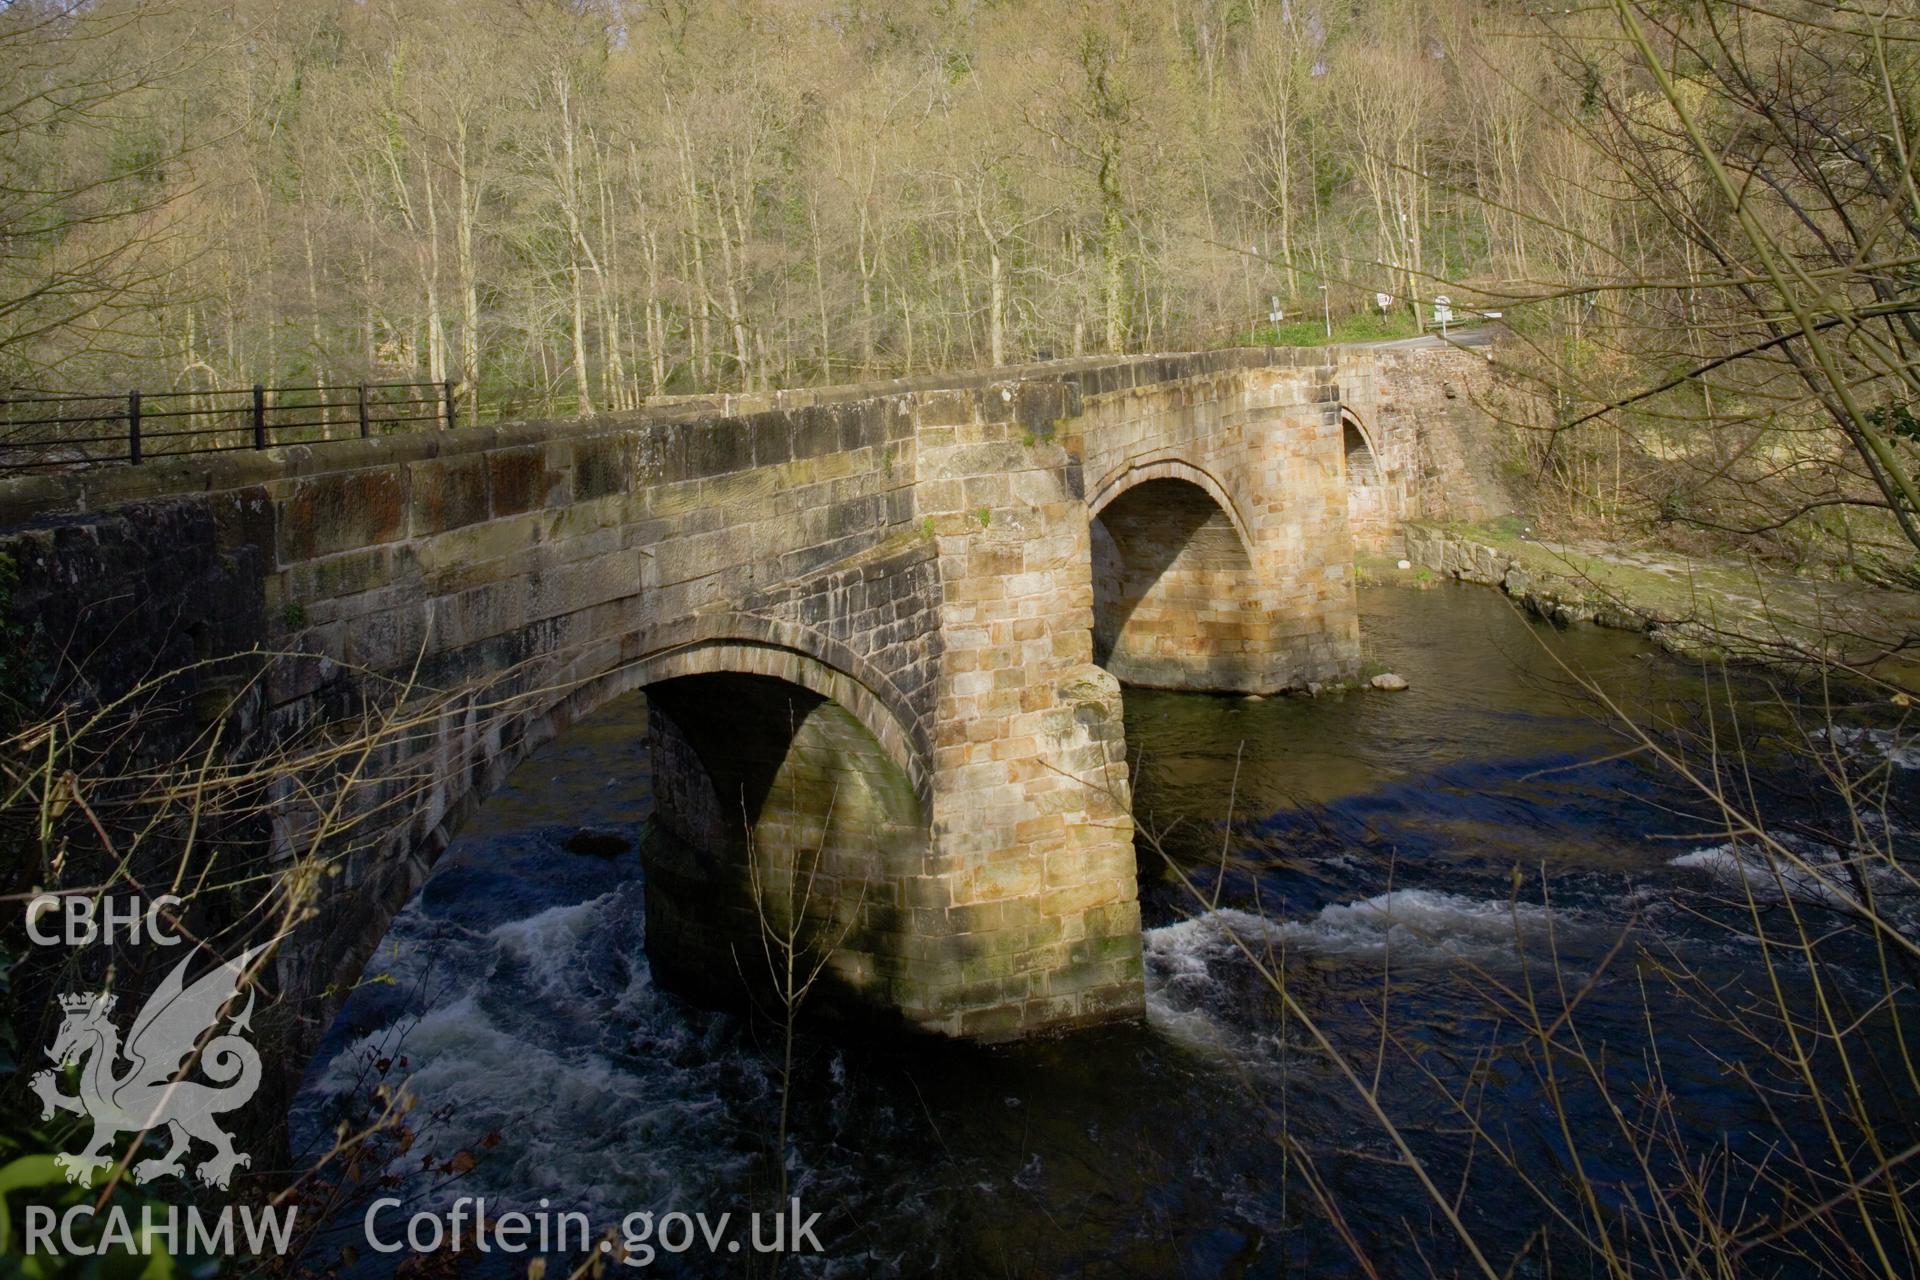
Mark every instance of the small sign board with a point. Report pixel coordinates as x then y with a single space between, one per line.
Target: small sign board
1442 309
1384 300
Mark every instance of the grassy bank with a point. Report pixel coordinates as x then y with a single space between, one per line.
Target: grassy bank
1367 326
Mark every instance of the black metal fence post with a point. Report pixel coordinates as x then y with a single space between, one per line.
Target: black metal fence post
259 416
133 427
448 388
366 424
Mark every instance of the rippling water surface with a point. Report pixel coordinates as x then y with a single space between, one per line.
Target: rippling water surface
1442 851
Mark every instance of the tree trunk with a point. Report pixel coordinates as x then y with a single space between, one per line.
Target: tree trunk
469 286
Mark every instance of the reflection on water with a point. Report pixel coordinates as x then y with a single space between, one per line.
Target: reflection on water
1467 836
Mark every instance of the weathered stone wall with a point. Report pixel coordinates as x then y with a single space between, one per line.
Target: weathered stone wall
919 554
125 616
558 565
1560 598
112 600
1424 413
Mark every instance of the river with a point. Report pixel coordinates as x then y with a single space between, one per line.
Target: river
1440 852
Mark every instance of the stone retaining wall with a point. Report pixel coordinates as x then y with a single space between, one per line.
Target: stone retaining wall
1557 598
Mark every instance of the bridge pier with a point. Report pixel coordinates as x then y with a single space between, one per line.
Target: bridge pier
998 895
1032 862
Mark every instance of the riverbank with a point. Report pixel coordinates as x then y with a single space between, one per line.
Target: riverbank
1687 606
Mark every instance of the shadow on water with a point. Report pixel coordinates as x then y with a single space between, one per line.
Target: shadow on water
1371 832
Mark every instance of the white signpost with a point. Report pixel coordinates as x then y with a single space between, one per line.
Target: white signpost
1442 312
1384 300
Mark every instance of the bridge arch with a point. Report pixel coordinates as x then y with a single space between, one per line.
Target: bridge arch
1176 589
1369 496
748 644
554 694
738 643
775 663
775 807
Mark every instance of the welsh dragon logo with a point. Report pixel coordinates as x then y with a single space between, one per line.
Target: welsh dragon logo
146 1095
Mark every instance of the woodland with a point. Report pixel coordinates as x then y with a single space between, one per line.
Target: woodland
1699 222
571 206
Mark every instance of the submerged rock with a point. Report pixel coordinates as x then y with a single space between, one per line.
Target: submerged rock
1389 681
597 844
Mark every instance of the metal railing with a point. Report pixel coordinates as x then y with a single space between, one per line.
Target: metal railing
70 431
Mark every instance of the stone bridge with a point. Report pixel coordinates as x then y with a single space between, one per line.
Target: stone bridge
881 631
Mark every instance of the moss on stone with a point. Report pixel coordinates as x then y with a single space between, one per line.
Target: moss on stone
1697 606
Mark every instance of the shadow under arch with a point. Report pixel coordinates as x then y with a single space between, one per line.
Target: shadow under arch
748 644
1175 590
1369 500
776 811
1357 450
1122 480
